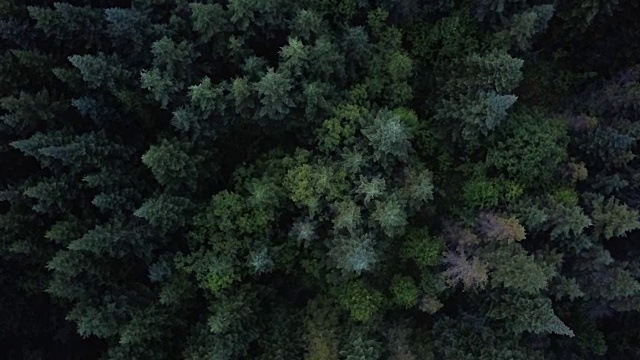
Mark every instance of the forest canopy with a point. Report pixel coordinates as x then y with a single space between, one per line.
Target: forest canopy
319 179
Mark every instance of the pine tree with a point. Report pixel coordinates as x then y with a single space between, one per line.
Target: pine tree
361 348
500 229
533 315
613 219
472 272
273 90
354 253
164 212
171 164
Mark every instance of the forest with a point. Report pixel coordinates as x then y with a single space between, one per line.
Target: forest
319 179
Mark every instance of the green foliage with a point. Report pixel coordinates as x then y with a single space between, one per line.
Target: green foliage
533 315
391 216
170 57
566 196
474 102
613 219
494 71
419 187
171 164
284 180
294 56
24 111
592 340
65 20
308 184
424 249
219 275
347 216
208 20
568 221
273 90
471 339
479 113
449 36
618 283
521 273
308 23
341 129
521 27
360 347
321 324
161 86
281 339
97 71
480 192
207 97
567 287
164 211
388 135
300 184
354 253
529 150
304 231
370 189
361 301
404 290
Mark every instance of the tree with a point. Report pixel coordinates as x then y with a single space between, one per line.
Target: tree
388 135
273 90
500 229
354 253
164 212
534 315
613 219
472 272
360 348
277 179
171 164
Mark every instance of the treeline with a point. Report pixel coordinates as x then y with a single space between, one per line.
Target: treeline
318 180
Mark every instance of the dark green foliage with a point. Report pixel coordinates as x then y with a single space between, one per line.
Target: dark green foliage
424 249
319 180
470 337
529 149
405 291
321 325
530 314
360 301
354 253
388 135
171 164
360 347
613 219
164 212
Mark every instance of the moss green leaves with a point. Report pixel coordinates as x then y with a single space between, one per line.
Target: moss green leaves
388 135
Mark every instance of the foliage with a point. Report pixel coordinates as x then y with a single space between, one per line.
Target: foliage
315 179
361 302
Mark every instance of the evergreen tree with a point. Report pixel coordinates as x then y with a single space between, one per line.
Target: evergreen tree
314 179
